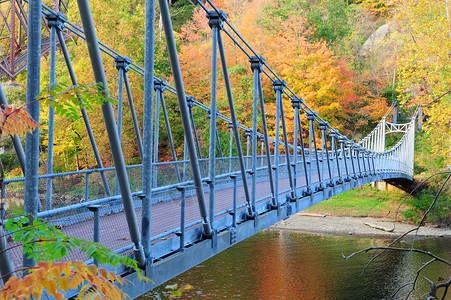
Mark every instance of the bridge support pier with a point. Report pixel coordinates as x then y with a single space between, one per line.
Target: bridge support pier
383 185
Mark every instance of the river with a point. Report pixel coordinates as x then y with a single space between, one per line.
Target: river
291 265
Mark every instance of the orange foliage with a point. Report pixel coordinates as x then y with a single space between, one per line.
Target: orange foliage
326 83
64 276
16 121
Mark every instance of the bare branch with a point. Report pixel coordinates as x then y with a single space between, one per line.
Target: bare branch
434 287
413 191
418 275
400 288
427 253
17 271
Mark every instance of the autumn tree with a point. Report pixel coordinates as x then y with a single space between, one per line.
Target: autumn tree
423 64
287 42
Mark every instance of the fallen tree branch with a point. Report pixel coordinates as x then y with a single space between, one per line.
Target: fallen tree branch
379 227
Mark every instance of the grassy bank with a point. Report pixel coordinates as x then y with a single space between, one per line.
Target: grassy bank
363 201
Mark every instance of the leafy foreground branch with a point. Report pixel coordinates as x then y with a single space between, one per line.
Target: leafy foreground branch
41 240
434 288
46 244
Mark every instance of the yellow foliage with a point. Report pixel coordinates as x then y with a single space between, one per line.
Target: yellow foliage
424 65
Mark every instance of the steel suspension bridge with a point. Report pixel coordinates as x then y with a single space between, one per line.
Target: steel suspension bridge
179 213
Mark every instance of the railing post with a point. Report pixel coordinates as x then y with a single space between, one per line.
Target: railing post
87 187
248 135
358 152
373 154
185 160
95 210
233 177
350 145
366 163
181 233
342 141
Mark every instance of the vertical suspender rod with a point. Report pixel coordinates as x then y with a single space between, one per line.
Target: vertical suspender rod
172 49
110 123
149 42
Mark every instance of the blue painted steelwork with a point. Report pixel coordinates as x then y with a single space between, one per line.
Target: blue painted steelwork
251 208
31 198
110 124
148 126
159 88
215 23
120 66
56 22
132 107
49 185
172 49
303 176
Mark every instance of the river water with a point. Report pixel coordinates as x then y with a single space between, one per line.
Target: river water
292 265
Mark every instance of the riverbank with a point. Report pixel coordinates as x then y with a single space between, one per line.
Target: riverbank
358 226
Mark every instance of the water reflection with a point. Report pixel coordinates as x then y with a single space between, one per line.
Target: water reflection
293 265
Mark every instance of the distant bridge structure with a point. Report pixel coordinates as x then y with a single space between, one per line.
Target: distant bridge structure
13 36
170 216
